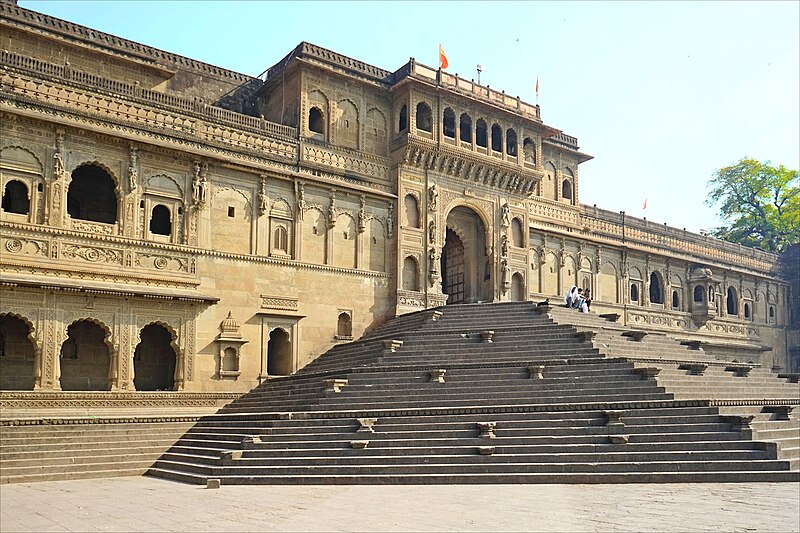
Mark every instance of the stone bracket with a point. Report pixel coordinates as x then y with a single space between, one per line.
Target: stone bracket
536 372
739 371
636 335
587 336
693 345
647 372
229 456
212 483
611 317
790 377
392 345
739 422
619 439
487 336
437 376
359 444
248 443
613 421
779 412
434 316
335 385
487 429
366 425
695 369
486 450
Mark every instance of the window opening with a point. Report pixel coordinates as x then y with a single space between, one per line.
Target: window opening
92 195
403 121
497 138
634 293
656 291
316 124
465 127
449 123
15 198
424 119
480 133
160 223
511 142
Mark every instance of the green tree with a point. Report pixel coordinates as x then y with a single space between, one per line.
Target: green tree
759 203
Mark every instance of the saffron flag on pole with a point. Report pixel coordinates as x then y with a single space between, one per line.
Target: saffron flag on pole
442 58
537 88
645 204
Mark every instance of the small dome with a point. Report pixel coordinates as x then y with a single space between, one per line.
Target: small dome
229 326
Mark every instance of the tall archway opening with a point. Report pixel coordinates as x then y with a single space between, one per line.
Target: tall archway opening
465 267
154 360
279 353
17 354
85 358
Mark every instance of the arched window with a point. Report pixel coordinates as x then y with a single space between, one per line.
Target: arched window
747 310
402 123
511 142
344 326
732 302
529 151
15 198
676 302
424 118
634 293
92 195
699 292
410 274
656 289
160 223
412 211
316 121
449 123
566 190
771 311
517 236
497 138
465 127
480 133
280 240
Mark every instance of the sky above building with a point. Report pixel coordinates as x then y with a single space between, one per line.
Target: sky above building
660 93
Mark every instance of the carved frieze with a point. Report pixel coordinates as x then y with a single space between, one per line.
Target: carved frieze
282 303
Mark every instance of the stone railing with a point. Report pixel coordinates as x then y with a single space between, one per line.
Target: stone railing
197 108
129 111
480 91
139 51
609 225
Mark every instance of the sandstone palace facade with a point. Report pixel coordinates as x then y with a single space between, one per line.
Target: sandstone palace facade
171 225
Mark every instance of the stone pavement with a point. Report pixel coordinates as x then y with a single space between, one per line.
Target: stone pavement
148 504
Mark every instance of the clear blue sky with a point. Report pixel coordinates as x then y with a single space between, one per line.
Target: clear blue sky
660 93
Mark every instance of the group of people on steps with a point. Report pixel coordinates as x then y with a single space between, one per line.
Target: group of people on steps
580 299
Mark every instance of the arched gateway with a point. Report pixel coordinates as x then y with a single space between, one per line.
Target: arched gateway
465 267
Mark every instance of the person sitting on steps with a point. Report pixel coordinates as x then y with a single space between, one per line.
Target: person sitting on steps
579 302
572 294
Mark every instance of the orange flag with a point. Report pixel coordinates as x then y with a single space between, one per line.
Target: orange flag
442 58
645 204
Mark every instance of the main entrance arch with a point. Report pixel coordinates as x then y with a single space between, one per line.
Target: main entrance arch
465 267
85 358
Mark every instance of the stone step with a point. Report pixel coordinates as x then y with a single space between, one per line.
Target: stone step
527 478
80 473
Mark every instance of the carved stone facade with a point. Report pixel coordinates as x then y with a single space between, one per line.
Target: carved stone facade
155 238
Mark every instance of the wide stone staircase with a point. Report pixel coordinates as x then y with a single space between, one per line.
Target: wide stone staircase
501 393
75 435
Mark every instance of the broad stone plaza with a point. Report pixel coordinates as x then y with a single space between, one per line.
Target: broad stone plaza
340 288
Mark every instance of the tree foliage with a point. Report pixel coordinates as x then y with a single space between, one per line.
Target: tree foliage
759 203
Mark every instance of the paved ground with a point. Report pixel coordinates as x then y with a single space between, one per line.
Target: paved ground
148 504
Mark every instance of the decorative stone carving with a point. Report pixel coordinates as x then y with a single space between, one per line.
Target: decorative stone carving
283 303
200 184
437 376
58 157
432 231
133 169
487 429
301 199
390 220
332 210
362 214
505 215
433 197
263 197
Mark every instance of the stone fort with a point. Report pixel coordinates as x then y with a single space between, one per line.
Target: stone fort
169 225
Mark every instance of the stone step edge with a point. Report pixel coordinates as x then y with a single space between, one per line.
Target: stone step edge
550 478
518 408
79 420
